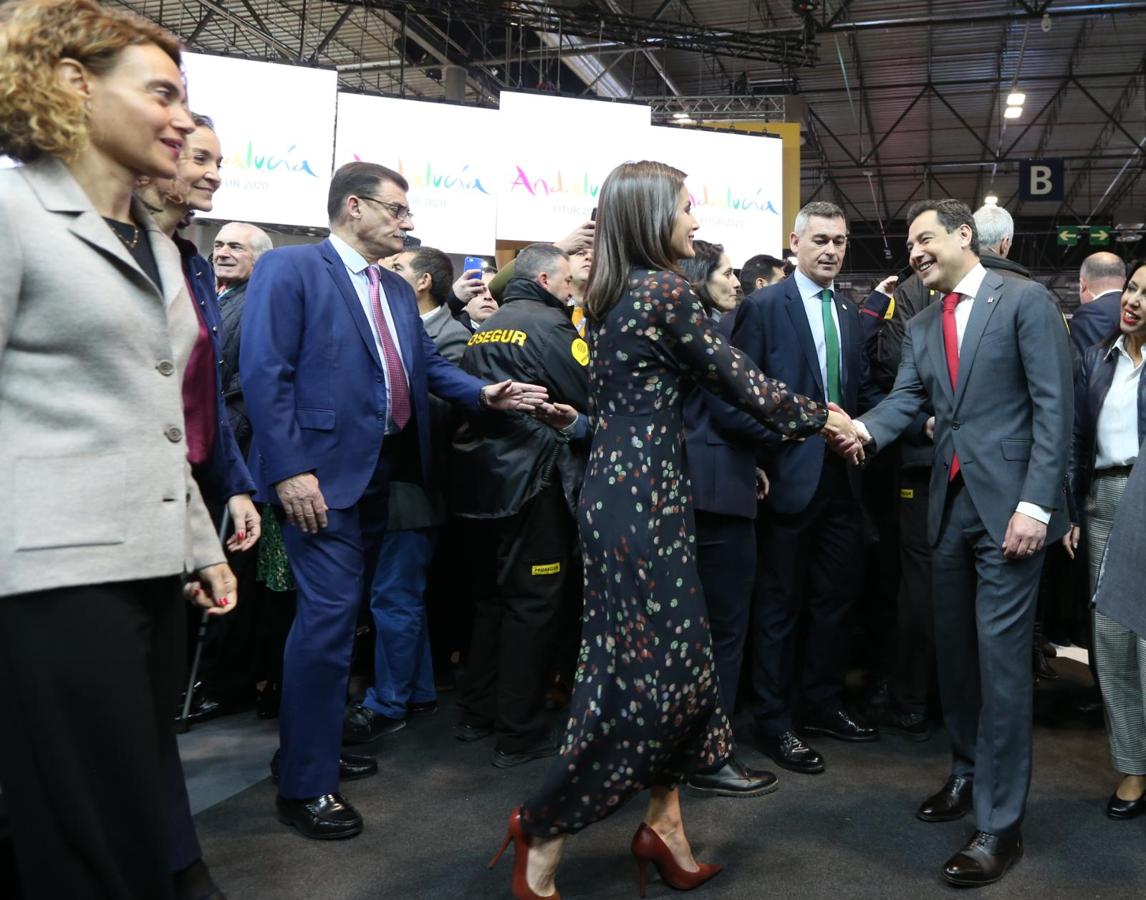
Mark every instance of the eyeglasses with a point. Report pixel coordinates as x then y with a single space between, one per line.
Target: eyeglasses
397 210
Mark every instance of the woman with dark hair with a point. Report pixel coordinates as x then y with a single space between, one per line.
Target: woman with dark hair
1109 428
96 328
712 278
645 711
214 453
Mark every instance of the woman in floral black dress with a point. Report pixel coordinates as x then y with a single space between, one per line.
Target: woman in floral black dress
645 711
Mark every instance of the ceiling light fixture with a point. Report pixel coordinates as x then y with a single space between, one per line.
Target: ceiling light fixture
991 200
1016 98
1012 112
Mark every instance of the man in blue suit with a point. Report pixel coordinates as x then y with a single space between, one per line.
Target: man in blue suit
810 537
337 369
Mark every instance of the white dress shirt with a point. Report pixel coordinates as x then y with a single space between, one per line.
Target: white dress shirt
811 293
967 288
1116 440
356 267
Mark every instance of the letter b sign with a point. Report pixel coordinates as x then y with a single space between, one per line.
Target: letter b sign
1041 179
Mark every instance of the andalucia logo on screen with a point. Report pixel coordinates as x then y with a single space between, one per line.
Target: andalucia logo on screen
736 198
253 160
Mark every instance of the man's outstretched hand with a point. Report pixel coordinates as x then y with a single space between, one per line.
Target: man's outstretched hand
514 395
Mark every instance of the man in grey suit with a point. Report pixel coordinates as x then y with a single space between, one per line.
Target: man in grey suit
993 361
403 670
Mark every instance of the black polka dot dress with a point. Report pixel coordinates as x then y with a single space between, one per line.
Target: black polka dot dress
646 708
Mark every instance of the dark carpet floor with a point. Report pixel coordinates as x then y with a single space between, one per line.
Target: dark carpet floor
436 812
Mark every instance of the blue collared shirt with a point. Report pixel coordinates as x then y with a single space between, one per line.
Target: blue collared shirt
356 267
811 294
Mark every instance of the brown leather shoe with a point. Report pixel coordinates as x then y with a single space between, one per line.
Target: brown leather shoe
985 859
952 802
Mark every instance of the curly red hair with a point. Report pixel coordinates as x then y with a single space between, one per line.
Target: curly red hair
37 115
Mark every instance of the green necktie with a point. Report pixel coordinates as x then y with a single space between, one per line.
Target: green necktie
832 346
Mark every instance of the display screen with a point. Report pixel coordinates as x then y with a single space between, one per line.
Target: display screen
553 155
276 126
444 151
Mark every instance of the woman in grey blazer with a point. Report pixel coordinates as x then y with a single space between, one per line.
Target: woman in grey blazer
105 518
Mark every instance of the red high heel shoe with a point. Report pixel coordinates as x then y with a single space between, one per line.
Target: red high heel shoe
516 834
649 848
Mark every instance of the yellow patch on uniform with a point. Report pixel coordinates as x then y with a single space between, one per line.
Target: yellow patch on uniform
580 351
890 309
499 336
547 569
906 494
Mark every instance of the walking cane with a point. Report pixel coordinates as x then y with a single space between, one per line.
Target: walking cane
182 725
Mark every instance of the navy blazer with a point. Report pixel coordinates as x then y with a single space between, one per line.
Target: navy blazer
772 329
313 378
1092 323
720 450
225 473
1095 377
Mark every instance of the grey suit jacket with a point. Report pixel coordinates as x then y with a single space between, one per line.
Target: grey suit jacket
1010 415
93 459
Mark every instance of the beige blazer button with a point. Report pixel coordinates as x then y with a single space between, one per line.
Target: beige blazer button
166 367
175 435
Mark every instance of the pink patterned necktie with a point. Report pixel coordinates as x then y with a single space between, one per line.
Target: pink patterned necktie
399 390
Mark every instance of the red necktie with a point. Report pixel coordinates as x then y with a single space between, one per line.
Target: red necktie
951 345
399 390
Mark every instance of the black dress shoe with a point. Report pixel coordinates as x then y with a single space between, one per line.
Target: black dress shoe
733 779
953 801
1117 808
325 818
350 767
362 725
268 701
789 752
837 723
985 859
468 733
504 760
1041 665
202 706
913 726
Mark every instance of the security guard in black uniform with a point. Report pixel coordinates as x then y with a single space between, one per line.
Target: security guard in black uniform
518 479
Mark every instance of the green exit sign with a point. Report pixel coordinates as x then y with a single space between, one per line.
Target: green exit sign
1099 236
1067 237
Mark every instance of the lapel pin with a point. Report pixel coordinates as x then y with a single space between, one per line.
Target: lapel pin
990 299
843 306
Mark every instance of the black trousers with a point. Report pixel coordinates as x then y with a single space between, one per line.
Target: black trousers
726 560
519 565
809 563
910 680
88 679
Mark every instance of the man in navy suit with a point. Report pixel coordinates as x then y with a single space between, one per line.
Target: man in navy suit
337 369
1100 282
810 539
